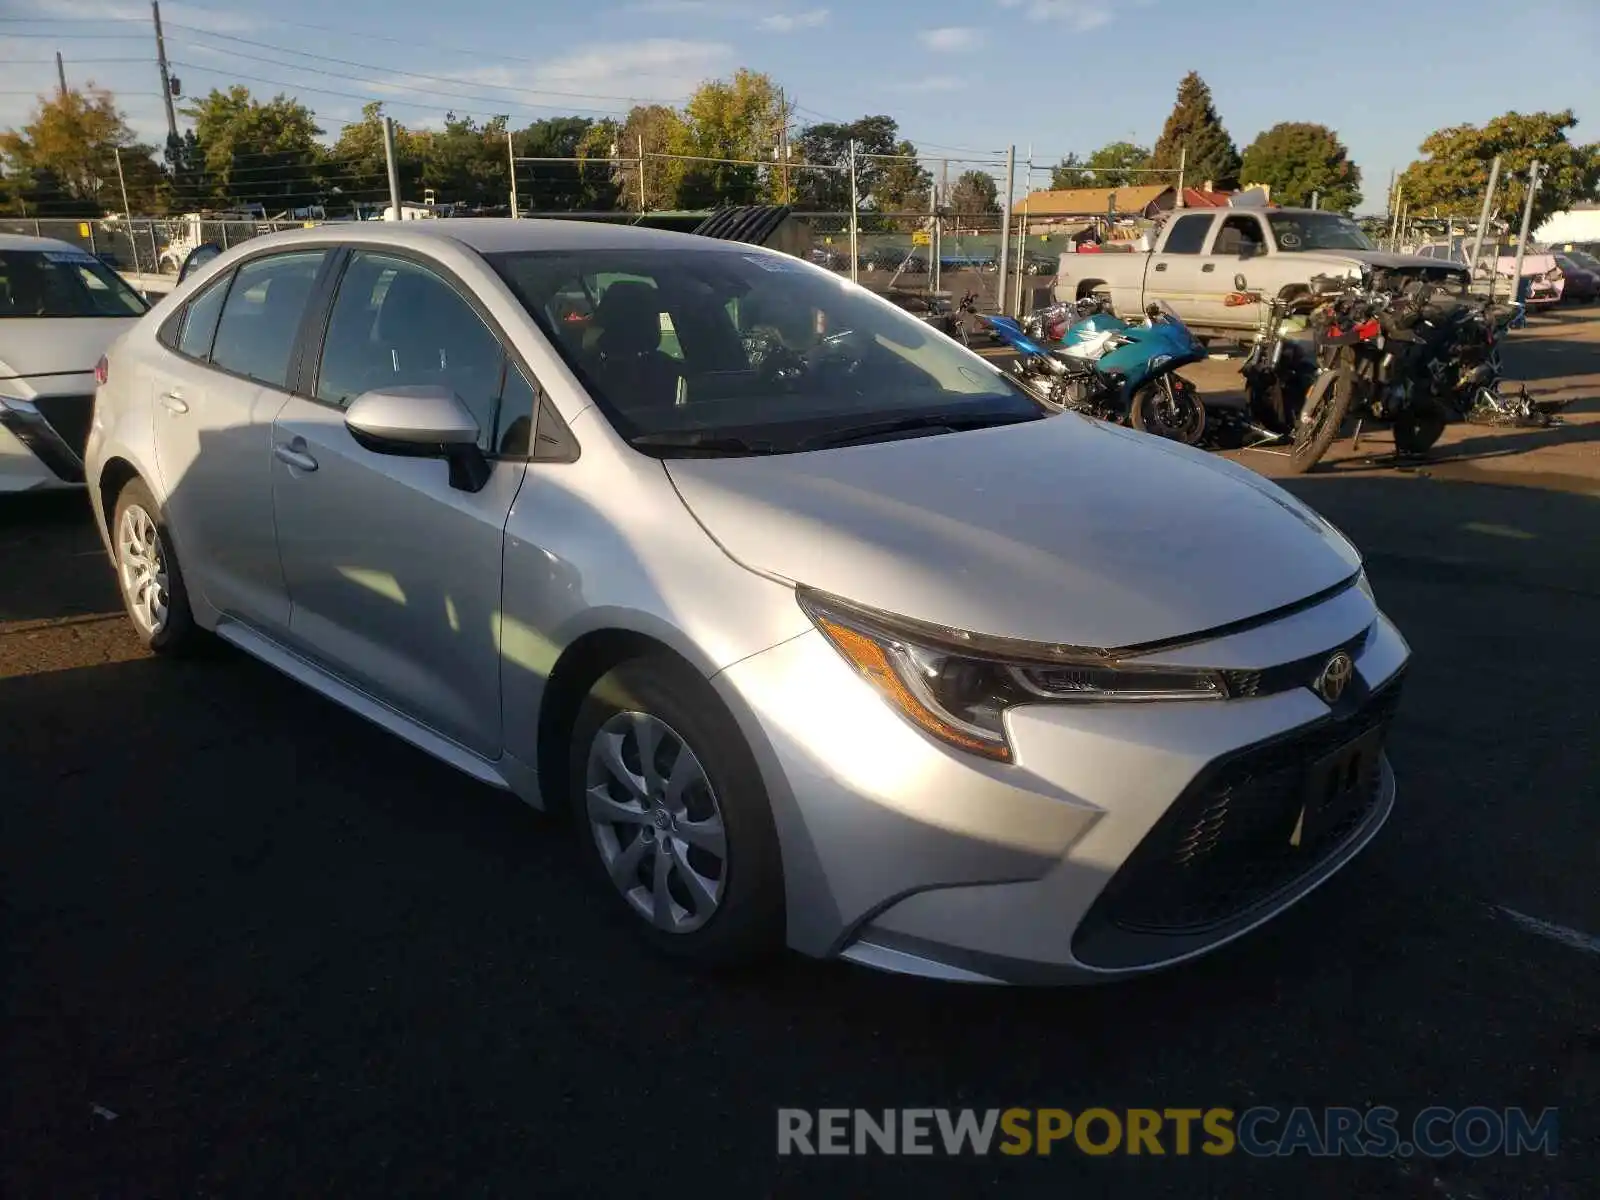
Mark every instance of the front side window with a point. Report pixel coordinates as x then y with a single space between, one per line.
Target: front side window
1317 231
261 316
729 350
397 324
63 283
1188 235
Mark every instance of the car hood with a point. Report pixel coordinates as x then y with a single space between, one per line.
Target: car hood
1062 530
58 345
1396 262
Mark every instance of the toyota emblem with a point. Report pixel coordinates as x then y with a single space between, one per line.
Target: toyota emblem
1335 677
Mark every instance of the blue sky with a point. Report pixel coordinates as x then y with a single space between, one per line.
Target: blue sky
963 77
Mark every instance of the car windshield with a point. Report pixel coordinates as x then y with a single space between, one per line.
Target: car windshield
1587 261
1317 231
63 283
740 351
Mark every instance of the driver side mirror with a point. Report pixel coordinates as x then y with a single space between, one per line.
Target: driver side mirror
197 258
424 421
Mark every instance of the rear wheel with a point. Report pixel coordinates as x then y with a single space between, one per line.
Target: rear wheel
1415 431
672 815
147 574
1169 407
1321 417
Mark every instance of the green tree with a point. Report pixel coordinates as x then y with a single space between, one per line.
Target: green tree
1195 127
1450 178
465 163
741 118
659 130
357 169
259 152
63 162
1298 158
1069 174
973 192
822 183
556 186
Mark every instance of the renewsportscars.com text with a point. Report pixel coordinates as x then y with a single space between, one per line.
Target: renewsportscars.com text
1438 1132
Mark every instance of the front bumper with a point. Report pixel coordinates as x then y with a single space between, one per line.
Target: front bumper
1122 839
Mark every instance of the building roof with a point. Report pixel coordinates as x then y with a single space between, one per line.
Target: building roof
1200 198
1078 202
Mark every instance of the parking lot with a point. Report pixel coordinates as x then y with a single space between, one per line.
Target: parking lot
254 946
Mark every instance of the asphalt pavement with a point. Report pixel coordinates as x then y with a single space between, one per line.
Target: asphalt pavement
255 947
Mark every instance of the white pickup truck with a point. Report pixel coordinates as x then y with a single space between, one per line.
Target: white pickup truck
1198 253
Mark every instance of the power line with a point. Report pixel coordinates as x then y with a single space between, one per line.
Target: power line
542 91
497 105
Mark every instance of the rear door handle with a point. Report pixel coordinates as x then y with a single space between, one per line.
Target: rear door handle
1161 266
174 403
294 453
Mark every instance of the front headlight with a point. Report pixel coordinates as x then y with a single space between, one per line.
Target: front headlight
957 685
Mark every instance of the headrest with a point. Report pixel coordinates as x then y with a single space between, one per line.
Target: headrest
629 316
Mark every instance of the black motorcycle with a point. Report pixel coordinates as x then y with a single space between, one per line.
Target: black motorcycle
1280 366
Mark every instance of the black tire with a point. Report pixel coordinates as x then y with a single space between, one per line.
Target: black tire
747 921
1147 412
1321 418
177 634
1415 431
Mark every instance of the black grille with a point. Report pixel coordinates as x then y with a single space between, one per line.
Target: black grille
69 416
1237 838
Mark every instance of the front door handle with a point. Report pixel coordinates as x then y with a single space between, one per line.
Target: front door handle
1209 267
1161 266
174 403
294 453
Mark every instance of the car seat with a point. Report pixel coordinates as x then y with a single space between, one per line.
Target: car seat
636 373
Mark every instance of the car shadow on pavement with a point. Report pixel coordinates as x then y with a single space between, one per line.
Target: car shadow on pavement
290 953
52 562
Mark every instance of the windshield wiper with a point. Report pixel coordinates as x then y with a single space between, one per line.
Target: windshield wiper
711 445
932 422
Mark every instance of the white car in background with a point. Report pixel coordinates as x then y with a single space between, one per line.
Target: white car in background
60 310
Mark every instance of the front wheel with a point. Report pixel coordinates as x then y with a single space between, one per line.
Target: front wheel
672 814
1169 407
1416 431
1320 419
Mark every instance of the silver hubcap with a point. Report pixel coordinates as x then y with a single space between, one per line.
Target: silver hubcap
142 569
656 822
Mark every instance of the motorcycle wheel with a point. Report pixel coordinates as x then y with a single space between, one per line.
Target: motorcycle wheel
1320 419
1415 432
1169 407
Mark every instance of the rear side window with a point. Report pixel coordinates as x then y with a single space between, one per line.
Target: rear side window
261 316
1188 234
200 321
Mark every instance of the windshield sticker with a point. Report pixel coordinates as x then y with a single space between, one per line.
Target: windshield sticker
68 256
1288 240
774 262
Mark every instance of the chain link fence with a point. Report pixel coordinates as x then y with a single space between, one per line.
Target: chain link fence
143 246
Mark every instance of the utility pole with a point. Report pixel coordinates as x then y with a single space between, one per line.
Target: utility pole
1483 217
1183 162
394 168
166 75
511 161
1527 219
1315 197
783 147
855 239
127 214
643 207
61 74
1005 225
1394 214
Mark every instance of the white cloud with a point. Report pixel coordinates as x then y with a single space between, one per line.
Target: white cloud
1081 15
933 83
950 38
125 10
789 22
668 69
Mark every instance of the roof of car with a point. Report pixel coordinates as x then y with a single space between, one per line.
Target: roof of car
17 241
493 235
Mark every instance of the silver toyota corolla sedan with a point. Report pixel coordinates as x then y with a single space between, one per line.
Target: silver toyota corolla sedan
821 629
